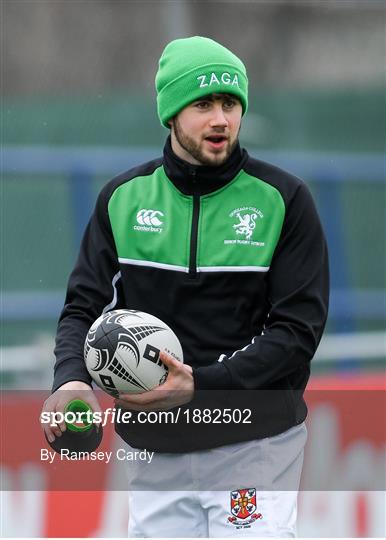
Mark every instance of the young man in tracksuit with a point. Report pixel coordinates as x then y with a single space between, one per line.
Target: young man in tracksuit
229 252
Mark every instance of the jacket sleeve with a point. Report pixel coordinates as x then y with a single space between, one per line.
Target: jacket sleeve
298 291
94 285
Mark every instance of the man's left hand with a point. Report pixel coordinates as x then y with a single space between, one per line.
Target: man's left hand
178 389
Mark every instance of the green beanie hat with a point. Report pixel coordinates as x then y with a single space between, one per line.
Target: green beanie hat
194 67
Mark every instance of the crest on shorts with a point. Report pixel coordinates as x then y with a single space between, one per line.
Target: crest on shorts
243 507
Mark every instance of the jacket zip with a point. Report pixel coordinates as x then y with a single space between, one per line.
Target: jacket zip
194 229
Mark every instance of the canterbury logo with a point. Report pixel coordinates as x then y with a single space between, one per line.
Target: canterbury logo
150 217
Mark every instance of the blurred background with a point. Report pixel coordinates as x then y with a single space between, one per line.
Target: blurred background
78 107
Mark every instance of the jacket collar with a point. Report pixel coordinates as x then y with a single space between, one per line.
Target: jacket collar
201 179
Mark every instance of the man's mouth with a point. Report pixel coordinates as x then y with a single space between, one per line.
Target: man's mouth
216 141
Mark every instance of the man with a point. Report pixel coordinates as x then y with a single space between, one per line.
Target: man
238 269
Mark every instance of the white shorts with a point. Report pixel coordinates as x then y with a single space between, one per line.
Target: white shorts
264 504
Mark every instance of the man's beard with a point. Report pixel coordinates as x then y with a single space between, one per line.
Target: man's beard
194 149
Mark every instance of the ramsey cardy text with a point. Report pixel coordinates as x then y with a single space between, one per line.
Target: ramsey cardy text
121 455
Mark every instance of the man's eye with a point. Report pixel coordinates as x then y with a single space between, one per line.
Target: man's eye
202 104
229 104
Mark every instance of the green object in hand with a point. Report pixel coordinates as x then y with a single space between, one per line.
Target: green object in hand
80 408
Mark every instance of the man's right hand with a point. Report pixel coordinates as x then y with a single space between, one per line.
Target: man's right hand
59 399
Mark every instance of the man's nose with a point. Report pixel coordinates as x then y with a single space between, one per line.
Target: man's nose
218 117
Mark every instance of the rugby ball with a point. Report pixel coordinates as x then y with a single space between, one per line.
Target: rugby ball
122 351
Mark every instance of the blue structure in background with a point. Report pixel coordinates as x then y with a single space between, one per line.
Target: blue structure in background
81 165
82 199
329 204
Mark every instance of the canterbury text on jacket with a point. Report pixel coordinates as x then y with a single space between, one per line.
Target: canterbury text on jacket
233 258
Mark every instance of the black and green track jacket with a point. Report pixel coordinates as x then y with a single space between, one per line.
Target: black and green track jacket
233 258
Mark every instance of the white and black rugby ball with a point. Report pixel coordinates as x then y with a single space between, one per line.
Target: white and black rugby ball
122 351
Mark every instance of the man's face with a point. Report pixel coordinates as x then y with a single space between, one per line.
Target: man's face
206 131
